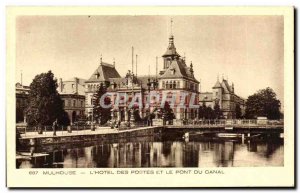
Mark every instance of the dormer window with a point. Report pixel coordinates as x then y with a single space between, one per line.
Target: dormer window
97 75
173 71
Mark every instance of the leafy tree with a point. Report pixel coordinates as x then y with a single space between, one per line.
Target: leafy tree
44 102
168 112
136 115
209 113
101 114
217 111
238 111
263 103
201 111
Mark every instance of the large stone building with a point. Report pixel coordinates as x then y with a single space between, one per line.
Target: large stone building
224 95
102 75
72 93
176 78
21 101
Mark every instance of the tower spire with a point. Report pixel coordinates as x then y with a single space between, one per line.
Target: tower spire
114 62
171 29
136 56
191 67
21 77
100 59
156 67
149 72
132 50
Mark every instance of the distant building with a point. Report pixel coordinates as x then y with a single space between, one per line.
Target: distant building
72 93
224 95
21 101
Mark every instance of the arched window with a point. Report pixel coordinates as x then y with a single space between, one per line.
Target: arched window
167 85
163 84
174 84
171 84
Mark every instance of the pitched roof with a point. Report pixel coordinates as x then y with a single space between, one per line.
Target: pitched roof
171 50
104 72
178 69
141 80
217 85
226 86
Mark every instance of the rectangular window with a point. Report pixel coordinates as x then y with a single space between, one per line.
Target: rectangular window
81 103
69 103
74 103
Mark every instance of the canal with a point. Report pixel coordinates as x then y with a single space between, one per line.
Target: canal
144 152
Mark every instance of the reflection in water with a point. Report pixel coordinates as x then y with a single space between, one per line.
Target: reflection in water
160 154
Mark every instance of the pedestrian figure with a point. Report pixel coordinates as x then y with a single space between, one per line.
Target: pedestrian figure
54 127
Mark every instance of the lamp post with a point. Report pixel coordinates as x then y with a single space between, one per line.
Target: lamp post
92 124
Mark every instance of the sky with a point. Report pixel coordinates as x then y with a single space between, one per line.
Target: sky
246 50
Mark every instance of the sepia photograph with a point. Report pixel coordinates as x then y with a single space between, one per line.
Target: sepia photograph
149 91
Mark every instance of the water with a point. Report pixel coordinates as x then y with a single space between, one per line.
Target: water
148 152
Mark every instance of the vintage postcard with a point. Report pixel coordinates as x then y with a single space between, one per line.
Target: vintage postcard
150 97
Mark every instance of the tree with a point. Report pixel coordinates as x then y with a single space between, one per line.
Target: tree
44 102
209 113
136 115
217 111
201 111
263 103
101 114
168 112
238 111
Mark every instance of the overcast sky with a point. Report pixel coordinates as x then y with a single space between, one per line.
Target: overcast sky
246 49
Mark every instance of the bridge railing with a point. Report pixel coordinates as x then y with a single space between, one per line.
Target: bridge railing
232 122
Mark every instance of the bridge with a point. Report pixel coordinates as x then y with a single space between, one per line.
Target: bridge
230 124
246 129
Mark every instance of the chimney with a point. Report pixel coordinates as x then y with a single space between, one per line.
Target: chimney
76 85
61 85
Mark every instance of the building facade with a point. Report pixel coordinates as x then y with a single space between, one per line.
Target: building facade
224 95
72 92
175 79
21 102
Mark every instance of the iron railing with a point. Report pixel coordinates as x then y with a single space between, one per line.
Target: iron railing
123 126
